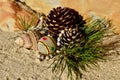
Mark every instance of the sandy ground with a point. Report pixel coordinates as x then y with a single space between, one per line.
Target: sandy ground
21 64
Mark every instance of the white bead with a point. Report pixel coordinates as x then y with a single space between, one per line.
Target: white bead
49 35
57 51
58 43
58 39
42 57
50 56
47 58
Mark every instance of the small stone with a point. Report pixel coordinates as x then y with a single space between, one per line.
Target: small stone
47 58
42 57
51 56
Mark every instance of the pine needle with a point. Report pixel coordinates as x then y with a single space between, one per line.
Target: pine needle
77 57
25 23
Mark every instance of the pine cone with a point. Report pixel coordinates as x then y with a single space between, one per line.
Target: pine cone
68 36
61 18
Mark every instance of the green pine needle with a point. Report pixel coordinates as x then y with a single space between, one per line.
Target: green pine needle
26 24
77 57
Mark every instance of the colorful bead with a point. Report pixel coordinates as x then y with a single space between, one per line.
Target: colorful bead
44 38
46 45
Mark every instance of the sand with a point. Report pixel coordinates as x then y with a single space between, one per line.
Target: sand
17 63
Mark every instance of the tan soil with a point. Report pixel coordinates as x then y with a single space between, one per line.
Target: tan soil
21 64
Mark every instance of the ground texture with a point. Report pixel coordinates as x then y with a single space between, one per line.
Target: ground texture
18 63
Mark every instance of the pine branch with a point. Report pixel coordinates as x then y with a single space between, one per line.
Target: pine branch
25 23
77 57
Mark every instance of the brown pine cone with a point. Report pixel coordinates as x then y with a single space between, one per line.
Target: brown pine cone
60 18
68 36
